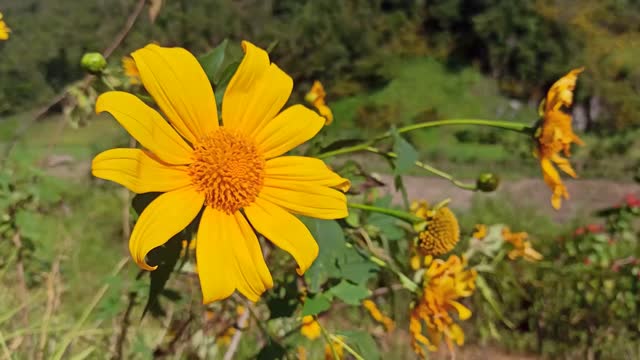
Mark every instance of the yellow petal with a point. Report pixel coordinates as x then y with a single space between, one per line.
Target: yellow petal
256 93
463 312
456 334
146 126
284 230
304 169
292 127
138 171
166 216
229 257
177 83
305 199
563 164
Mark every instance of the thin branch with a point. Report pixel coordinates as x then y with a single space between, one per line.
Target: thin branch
235 341
84 83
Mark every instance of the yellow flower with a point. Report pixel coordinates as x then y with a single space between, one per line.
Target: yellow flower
441 233
444 284
310 328
4 29
316 97
196 162
480 231
377 315
556 134
131 70
337 346
521 246
225 338
301 353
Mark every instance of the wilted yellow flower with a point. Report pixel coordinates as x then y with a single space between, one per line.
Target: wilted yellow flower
310 328
445 282
556 134
521 246
480 231
301 353
377 315
4 29
197 162
131 70
337 346
441 233
225 338
316 97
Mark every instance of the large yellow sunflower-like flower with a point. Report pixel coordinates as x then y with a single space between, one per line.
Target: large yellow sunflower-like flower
441 232
556 134
234 167
4 29
445 282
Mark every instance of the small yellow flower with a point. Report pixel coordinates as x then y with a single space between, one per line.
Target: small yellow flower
521 246
441 233
310 328
301 353
131 70
377 315
4 29
556 134
225 338
316 97
444 284
232 175
337 346
480 231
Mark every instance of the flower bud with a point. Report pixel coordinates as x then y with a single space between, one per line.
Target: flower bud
93 62
487 182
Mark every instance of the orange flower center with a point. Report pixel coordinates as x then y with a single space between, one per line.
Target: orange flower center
228 169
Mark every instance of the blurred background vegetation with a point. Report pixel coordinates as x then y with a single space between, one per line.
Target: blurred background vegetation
383 63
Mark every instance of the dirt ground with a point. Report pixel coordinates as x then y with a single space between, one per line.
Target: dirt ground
586 195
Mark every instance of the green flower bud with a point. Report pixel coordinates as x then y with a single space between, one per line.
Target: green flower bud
93 62
487 182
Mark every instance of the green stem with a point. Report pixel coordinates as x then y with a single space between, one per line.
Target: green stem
326 338
507 125
346 347
399 214
429 168
404 280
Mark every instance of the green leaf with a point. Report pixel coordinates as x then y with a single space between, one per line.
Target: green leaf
356 268
342 143
350 293
282 301
407 154
271 351
363 343
141 201
217 62
316 304
165 257
331 241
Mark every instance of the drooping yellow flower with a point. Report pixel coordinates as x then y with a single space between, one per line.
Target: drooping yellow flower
4 29
316 97
225 338
480 231
131 70
310 328
521 246
337 346
445 282
441 232
556 134
197 162
378 316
